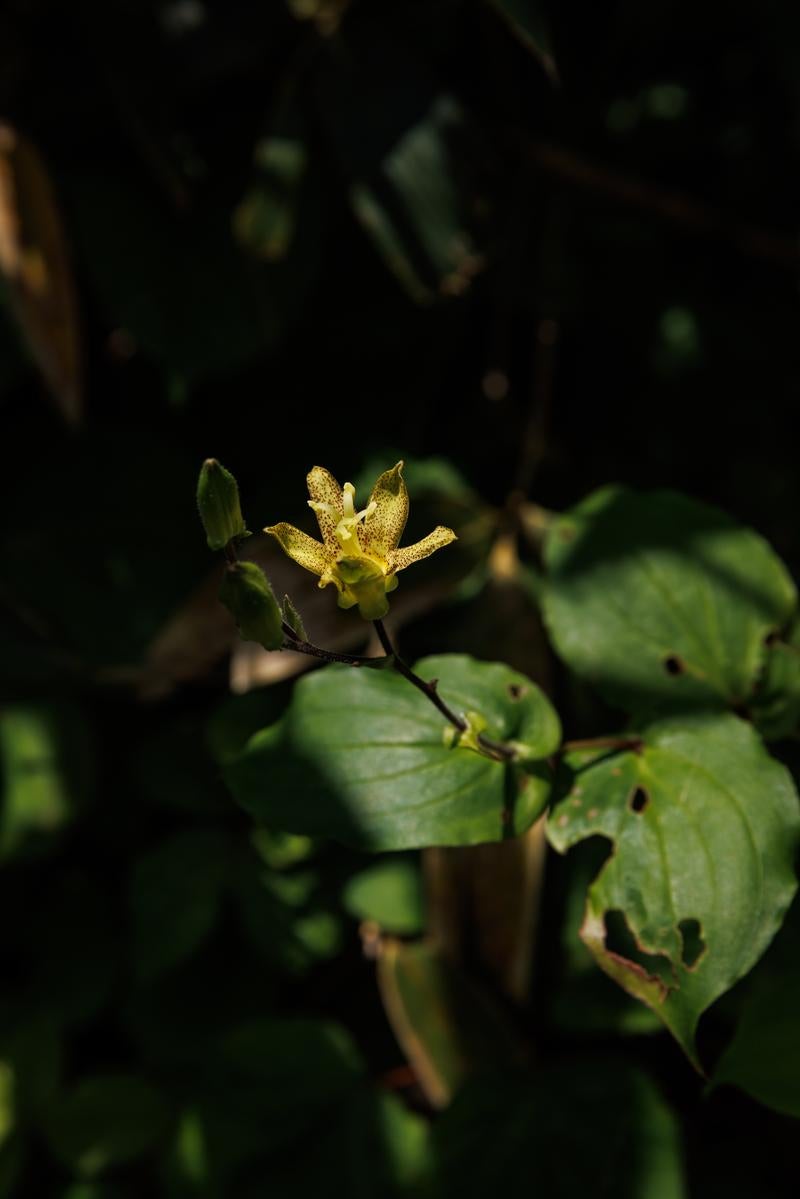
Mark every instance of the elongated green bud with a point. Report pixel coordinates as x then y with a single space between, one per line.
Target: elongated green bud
218 504
247 595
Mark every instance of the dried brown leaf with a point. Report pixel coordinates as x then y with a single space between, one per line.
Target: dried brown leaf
36 267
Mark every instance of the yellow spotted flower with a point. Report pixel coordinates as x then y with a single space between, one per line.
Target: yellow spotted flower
359 550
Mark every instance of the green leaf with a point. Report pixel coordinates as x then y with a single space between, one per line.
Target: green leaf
405 1139
661 601
176 1022
372 1146
270 1081
238 717
390 893
365 758
596 1128
581 1001
763 1058
704 827
105 1120
280 907
34 1054
279 911
246 593
186 1169
45 769
448 1026
281 850
266 218
414 212
175 896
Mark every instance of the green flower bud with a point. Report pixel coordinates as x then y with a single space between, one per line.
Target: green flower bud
247 595
218 504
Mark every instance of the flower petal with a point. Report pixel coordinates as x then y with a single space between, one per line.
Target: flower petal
326 500
400 559
383 527
304 550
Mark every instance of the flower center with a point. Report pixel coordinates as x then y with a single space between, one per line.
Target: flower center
350 519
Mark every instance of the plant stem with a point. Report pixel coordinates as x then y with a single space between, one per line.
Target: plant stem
429 689
293 641
495 749
633 743
328 655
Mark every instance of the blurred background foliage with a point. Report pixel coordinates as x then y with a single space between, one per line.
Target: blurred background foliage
533 246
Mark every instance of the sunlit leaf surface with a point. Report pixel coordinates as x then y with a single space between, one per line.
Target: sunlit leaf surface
363 757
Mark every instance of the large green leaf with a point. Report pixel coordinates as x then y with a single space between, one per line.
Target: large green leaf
659 600
596 1128
704 826
365 758
764 1056
582 1001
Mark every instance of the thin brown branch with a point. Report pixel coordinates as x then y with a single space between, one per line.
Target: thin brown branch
429 689
668 204
301 646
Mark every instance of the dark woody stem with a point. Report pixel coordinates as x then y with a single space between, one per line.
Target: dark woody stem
293 641
429 689
328 655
